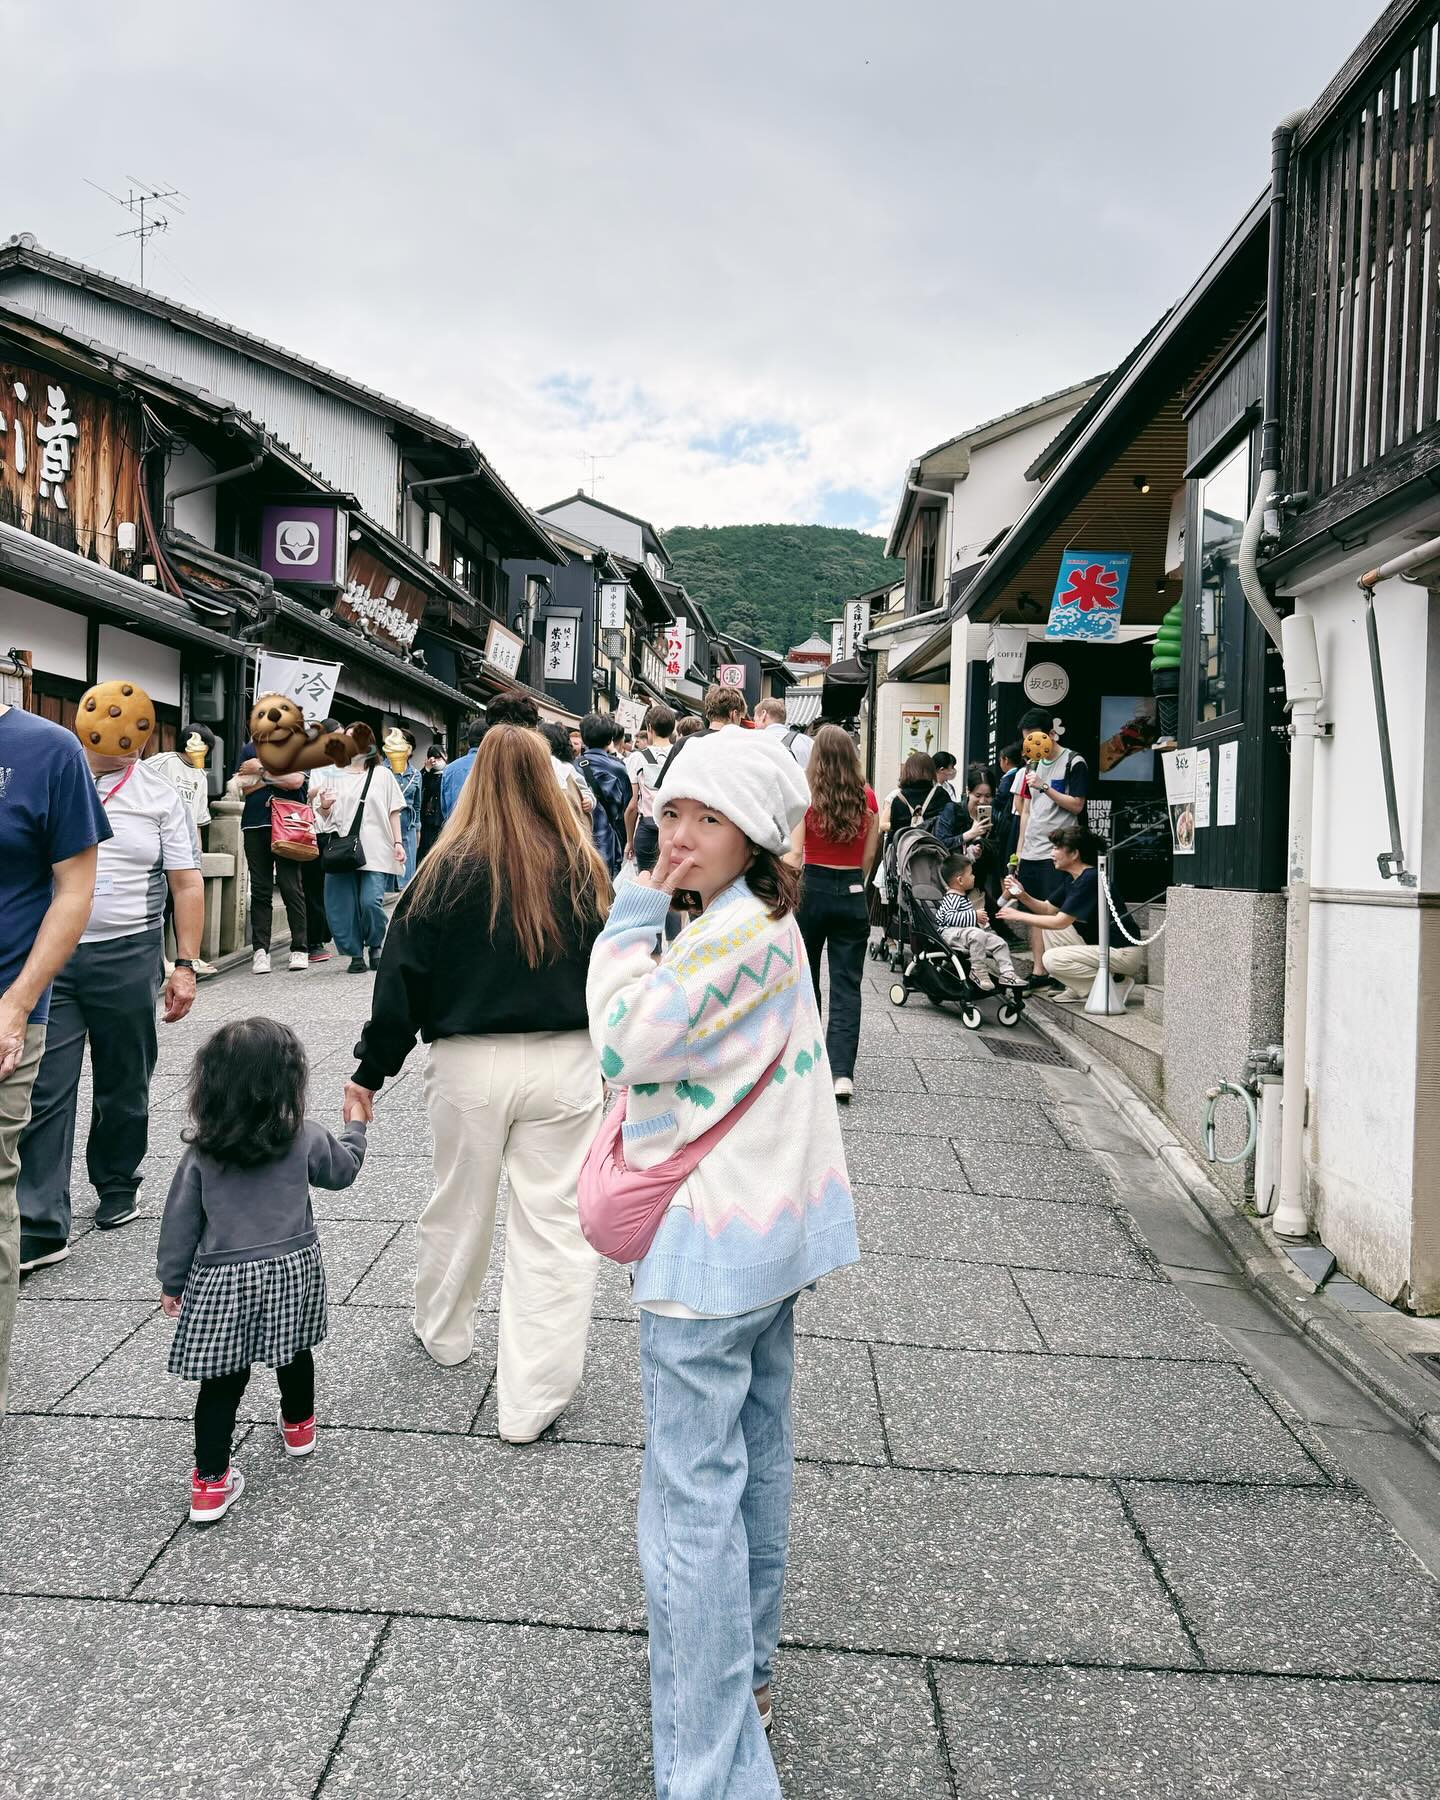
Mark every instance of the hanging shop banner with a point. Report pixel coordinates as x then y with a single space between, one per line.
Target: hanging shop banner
731 675
1089 596
502 649
304 544
562 637
310 684
1179 768
837 640
920 728
389 605
69 462
677 651
1005 652
631 714
857 623
612 605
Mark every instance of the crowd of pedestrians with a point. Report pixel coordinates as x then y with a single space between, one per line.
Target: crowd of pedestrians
635 918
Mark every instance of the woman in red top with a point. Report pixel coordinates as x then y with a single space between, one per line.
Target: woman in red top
837 842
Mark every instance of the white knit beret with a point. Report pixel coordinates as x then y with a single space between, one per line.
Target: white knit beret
749 776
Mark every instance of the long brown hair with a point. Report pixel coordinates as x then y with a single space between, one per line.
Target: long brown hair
837 786
513 821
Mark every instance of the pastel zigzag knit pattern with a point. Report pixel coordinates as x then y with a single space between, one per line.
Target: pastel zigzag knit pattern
769 1210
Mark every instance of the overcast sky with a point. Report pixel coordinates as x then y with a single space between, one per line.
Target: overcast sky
755 256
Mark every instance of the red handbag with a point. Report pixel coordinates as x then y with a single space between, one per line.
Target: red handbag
621 1208
292 830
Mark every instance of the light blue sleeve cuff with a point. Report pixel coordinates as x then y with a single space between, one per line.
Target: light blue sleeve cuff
635 906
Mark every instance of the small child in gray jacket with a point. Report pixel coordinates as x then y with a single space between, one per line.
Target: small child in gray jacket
239 1257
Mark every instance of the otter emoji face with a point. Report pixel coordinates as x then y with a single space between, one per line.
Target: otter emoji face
115 718
275 720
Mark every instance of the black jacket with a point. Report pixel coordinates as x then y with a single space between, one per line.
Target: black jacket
448 974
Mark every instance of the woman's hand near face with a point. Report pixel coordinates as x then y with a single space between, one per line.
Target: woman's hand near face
670 870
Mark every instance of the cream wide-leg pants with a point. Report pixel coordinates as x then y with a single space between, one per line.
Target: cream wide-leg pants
1072 961
528 1102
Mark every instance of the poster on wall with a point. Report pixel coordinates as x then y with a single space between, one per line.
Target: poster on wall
1227 782
1202 788
1179 768
920 728
1128 730
1089 596
311 684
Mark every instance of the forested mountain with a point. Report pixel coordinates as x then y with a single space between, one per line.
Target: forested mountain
776 584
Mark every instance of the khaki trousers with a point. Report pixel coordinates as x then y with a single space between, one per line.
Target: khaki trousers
528 1102
15 1091
1069 959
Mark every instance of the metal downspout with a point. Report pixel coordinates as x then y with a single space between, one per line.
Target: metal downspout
1391 861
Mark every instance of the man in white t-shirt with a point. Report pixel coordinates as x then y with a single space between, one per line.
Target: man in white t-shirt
770 716
1050 791
106 993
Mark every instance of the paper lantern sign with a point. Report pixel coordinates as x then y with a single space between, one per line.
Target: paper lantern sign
1089 596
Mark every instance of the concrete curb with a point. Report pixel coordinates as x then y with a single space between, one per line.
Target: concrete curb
1412 1396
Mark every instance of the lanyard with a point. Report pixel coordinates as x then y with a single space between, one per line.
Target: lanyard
105 799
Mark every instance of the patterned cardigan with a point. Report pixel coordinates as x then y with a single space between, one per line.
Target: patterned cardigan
769 1210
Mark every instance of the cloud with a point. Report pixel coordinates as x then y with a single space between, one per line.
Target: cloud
750 259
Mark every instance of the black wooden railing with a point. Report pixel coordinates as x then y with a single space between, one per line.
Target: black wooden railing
1362 359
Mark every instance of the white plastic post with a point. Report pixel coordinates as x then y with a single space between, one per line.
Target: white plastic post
1104 997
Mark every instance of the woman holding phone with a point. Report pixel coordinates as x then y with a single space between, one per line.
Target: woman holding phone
968 825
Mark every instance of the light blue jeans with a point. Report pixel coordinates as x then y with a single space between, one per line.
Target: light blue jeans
354 906
714 1526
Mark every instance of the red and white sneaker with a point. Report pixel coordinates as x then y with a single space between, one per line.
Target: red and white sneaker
211 1500
299 1439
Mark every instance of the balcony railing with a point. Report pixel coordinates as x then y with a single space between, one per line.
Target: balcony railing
1360 316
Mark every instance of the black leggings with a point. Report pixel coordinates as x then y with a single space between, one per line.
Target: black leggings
219 1400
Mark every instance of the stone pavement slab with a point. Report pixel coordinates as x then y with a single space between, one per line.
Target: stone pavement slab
127 1702
883 1159
898 1299
387 1187
1308 1583
58 1342
890 1559
960 1117
1039 1234
1083 1415
391 1279
393 1522
883 1072
370 1371
1093 1315
986 1079
88 1503
1030 1172
1094 1734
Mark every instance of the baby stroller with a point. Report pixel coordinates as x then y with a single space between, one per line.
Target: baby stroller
926 963
885 907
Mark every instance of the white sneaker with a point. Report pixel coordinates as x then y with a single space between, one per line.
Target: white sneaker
844 1089
204 970
299 962
260 963
982 981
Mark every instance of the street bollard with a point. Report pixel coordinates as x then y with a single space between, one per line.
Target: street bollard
1103 997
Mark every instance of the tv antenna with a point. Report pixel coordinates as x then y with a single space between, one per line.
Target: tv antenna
592 458
150 204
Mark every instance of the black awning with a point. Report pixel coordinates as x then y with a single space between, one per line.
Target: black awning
845 687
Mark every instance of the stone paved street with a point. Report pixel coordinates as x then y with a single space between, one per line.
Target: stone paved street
1054 1531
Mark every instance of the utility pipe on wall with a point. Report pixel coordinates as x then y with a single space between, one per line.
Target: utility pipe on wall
1392 861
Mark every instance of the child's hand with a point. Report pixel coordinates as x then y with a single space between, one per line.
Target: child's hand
982 916
170 1305
359 1103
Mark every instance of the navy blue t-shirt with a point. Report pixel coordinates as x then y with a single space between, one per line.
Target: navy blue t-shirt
49 812
256 816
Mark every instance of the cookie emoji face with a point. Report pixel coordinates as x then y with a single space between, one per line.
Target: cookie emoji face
1039 746
115 718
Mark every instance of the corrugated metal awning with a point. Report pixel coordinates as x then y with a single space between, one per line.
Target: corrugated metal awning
802 709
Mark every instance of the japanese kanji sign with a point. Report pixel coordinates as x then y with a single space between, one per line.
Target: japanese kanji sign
1089 595
309 683
731 675
677 651
69 470
561 638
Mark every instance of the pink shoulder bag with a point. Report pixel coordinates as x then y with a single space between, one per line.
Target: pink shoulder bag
621 1208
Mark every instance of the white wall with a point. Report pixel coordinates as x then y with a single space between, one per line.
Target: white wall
155 667
890 698
600 527
195 514
995 492
54 637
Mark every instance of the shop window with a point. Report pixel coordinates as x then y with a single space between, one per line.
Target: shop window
1223 503
924 550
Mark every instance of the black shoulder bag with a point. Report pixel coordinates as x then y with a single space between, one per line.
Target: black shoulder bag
341 854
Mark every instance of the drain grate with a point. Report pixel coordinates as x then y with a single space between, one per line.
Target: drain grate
1010 1049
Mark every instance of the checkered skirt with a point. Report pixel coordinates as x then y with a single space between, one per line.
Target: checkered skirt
237 1314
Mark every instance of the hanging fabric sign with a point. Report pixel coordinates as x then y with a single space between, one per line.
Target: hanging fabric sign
1089 596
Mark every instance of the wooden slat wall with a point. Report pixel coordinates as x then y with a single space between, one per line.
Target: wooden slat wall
1363 352
103 487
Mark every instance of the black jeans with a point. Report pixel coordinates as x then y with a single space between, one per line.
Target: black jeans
647 844
219 1401
834 917
267 872
106 993
317 926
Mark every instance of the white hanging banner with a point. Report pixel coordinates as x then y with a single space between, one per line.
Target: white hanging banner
561 637
1006 652
309 683
612 605
677 651
857 623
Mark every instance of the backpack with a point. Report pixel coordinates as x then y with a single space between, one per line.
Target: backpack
645 789
789 739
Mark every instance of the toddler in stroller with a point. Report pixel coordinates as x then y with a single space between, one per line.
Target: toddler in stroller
965 927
